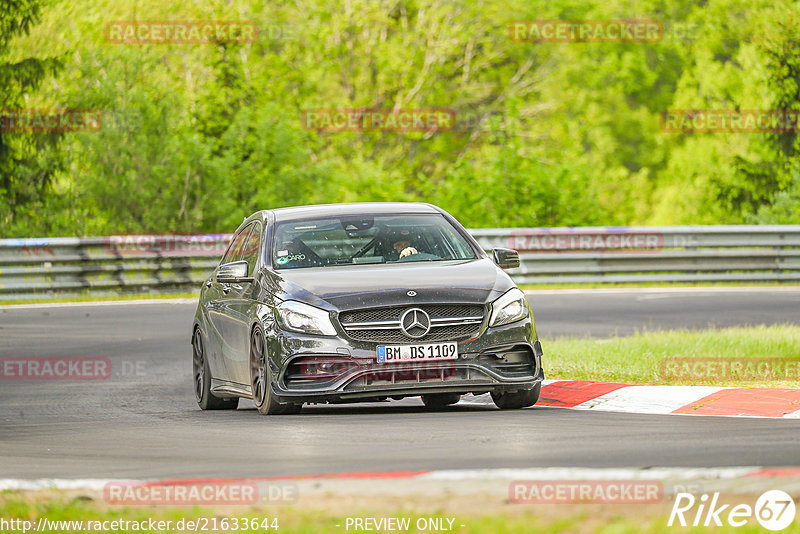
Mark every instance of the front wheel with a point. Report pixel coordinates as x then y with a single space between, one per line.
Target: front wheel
518 399
202 379
261 380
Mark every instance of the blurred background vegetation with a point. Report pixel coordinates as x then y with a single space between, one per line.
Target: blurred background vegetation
196 136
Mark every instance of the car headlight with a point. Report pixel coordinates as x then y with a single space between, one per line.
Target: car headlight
510 307
298 317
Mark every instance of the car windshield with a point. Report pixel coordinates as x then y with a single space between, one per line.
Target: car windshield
367 239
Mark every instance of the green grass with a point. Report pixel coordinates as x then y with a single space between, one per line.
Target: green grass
639 358
510 519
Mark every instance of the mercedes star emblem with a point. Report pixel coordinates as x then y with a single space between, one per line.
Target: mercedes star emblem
415 323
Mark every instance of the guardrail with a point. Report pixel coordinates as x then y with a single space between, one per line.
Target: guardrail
651 254
48 267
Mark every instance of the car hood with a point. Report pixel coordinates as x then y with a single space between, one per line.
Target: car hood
362 286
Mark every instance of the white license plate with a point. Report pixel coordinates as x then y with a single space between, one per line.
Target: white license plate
416 353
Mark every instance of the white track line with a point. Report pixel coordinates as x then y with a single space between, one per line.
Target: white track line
588 473
93 484
639 290
97 303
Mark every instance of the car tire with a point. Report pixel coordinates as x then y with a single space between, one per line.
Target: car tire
517 399
202 379
438 401
261 380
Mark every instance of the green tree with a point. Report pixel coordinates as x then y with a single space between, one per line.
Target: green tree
28 160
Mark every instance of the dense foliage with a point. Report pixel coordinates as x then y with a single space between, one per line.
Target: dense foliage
196 136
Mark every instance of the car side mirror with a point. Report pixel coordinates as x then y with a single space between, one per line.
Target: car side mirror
506 258
233 272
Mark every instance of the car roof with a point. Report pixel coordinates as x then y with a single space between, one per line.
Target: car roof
354 208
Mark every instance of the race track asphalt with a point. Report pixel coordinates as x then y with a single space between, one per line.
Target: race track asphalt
143 421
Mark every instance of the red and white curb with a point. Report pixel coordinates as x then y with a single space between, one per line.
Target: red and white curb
683 400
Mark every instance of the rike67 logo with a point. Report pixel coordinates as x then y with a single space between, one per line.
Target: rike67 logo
774 510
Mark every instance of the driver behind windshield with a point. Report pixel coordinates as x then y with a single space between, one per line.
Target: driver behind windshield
404 248
368 239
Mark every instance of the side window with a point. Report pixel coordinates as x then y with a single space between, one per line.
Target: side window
251 248
235 250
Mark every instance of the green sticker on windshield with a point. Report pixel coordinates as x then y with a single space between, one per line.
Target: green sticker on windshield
282 261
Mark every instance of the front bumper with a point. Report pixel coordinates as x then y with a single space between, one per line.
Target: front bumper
506 358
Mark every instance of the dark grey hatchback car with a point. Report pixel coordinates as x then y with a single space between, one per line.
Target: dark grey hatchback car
362 302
